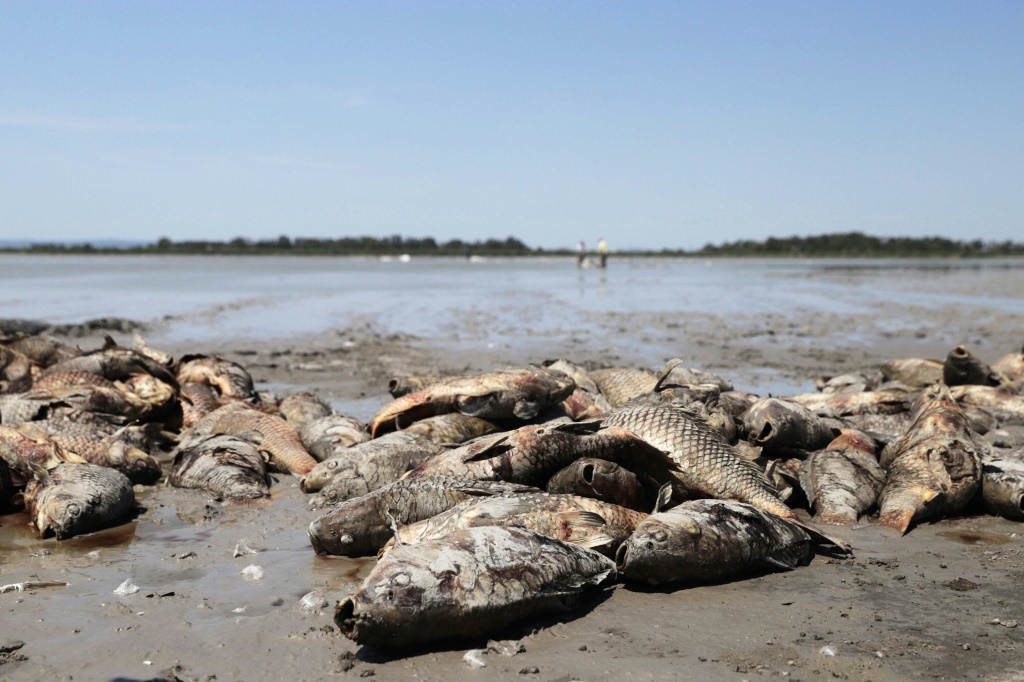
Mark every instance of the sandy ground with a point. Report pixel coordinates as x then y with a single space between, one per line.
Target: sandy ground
921 606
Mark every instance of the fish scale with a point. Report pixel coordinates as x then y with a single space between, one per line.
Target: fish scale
706 463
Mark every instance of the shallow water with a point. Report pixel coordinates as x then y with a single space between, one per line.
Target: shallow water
276 297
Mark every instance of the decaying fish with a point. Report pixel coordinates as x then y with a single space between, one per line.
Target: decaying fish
15 371
675 373
44 351
621 384
842 481
883 427
73 498
961 367
532 454
393 452
778 424
1011 366
228 467
472 583
851 382
279 440
913 371
1002 485
583 521
601 480
586 400
362 525
399 386
139 466
324 438
59 380
1005 406
159 395
197 401
231 380
23 450
373 469
708 540
300 409
114 363
520 394
706 464
886 399
935 467
453 427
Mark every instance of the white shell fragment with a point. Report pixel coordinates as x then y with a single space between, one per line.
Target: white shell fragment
314 602
252 572
127 587
474 658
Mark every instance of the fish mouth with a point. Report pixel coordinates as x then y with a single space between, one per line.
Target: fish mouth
318 546
345 618
621 556
960 352
303 485
588 473
765 433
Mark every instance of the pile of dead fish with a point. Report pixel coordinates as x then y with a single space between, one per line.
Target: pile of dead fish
497 498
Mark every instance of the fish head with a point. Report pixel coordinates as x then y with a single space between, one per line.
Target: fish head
1002 488
59 514
318 477
137 465
356 529
656 550
151 390
390 607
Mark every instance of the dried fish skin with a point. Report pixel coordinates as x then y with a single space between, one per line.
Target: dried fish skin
73 499
474 583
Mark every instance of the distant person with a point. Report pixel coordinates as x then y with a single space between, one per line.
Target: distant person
581 253
602 248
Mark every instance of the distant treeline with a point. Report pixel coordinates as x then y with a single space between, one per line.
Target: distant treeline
860 245
283 245
847 245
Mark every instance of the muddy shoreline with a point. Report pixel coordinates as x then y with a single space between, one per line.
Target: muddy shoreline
920 606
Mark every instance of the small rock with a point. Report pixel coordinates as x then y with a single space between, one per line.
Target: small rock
827 650
532 670
474 658
367 673
506 647
1009 623
583 647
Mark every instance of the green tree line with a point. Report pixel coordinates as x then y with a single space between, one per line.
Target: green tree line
860 245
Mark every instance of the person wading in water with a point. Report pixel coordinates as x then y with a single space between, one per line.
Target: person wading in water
602 248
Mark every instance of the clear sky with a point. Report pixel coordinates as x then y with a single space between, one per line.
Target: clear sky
654 124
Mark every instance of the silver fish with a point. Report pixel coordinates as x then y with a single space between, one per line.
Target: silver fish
72 499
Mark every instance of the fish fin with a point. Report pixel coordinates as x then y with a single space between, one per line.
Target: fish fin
820 536
585 528
669 366
496 508
496 444
807 482
663 499
789 557
526 409
473 405
108 342
581 428
40 472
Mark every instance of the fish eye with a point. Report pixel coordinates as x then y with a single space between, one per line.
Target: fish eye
346 539
659 536
401 580
73 509
332 465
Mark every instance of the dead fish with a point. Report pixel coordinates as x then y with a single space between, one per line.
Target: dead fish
44 351
15 371
1002 485
197 401
936 466
708 540
228 467
532 453
59 380
1010 366
778 424
73 498
520 394
961 367
140 467
886 399
843 481
375 468
586 400
114 363
706 464
300 409
472 583
159 395
453 427
230 379
913 371
582 521
395 450
399 386
601 480
23 450
675 373
1005 406
362 525
326 437
883 427
851 382
279 440
621 384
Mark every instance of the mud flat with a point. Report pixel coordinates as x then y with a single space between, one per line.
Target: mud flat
942 602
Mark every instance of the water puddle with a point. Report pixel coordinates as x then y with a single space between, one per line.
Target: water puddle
975 537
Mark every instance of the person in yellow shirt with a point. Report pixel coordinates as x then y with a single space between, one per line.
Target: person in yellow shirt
602 248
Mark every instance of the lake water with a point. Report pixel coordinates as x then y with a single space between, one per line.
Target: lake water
198 300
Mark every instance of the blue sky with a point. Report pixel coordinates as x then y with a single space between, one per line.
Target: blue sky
656 124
